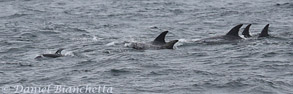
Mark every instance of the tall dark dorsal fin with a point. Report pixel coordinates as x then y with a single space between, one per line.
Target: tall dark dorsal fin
234 31
161 38
59 51
246 31
264 32
170 44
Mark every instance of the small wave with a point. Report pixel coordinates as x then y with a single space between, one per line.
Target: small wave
17 15
118 72
29 35
111 43
69 53
6 0
206 73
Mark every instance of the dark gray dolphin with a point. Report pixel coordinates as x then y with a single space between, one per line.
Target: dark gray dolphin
158 43
264 32
57 54
245 33
234 32
230 36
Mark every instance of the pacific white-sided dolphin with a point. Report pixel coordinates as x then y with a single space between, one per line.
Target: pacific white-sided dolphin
57 54
158 43
264 32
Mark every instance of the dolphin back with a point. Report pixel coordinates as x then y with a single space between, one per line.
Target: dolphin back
170 45
246 31
161 38
59 51
264 32
234 31
52 55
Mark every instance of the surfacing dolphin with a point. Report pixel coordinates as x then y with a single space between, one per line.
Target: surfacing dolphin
57 54
245 33
264 32
158 43
232 35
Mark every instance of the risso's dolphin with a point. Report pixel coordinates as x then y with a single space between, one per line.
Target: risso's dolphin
230 36
264 32
158 43
57 54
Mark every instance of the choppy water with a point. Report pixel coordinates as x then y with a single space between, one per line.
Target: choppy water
94 34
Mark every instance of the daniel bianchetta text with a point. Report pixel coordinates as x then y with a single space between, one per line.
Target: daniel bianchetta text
58 89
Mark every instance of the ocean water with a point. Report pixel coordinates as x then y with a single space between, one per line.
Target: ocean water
95 33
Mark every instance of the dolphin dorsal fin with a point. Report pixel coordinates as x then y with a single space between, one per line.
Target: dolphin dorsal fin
161 38
59 51
170 44
246 31
264 32
234 31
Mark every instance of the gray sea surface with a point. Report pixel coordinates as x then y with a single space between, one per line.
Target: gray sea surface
95 34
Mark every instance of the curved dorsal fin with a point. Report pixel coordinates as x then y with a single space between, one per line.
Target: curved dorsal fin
170 44
59 51
246 31
264 32
234 31
161 37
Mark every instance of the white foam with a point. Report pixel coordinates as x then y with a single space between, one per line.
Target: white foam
111 43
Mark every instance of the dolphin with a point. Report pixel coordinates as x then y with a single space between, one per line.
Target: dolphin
245 33
57 54
230 36
264 32
158 43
